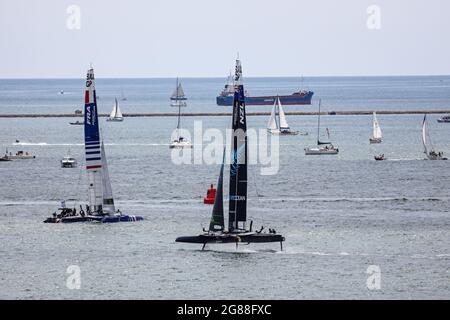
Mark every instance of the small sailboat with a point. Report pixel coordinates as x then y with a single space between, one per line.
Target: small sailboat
179 141
277 122
322 147
237 230
429 151
377 136
68 161
101 203
116 114
122 96
178 98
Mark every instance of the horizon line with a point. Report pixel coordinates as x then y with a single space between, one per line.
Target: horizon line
221 77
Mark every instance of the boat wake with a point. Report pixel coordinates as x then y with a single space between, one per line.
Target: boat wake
347 199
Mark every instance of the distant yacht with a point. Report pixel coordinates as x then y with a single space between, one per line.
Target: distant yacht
322 147
277 123
68 161
77 123
116 114
377 136
122 96
178 98
19 155
429 151
445 119
179 141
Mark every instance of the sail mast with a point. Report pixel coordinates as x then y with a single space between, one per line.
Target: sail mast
238 166
92 144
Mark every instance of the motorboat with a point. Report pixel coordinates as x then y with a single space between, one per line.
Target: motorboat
20 155
445 119
68 161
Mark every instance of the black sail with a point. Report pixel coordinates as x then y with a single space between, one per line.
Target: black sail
217 221
238 166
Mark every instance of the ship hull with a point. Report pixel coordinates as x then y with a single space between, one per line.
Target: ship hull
293 99
232 238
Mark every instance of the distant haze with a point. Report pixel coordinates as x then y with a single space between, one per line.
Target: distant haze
200 38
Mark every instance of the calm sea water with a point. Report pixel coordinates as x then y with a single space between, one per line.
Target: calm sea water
339 214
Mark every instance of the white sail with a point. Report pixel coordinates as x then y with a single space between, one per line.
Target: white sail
424 135
179 92
114 110
108 200
376 128
283 122
272 125
118 112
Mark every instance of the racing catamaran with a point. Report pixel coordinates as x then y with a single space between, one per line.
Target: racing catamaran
101 203
430 152
237 218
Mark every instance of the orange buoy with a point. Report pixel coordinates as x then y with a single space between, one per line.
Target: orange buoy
210 195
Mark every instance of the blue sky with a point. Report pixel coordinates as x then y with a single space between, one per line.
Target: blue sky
200 38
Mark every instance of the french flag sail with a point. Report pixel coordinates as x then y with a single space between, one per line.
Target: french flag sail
92 145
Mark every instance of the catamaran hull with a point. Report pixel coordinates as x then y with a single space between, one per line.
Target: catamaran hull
319 152
375 140
431 157
115 119
286 133
102 219
294 99
233 238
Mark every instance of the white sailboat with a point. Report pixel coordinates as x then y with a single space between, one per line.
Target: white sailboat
322 147
116 114
179 141
178 98
377 136
277 122
429 151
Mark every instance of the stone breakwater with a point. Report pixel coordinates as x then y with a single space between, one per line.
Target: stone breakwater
218 114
